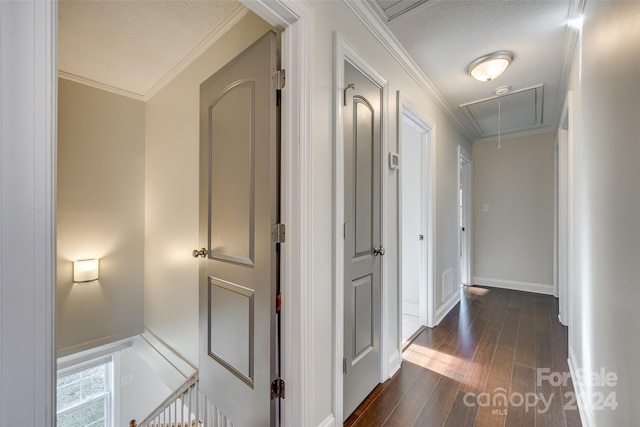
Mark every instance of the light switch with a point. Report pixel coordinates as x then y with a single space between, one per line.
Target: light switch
485 207
126 380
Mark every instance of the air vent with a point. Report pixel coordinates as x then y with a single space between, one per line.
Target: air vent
519 111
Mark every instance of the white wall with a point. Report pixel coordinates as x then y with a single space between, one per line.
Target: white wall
100 215
140 388
513 241
336 16
606 222
171 193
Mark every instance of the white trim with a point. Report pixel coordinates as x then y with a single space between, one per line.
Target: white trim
447 306
181 364
556 209
514 135
198 50
395 362
427 296
330 421
410 309
344 52
371 19
71 360
194 54
101 86
465 161
28 85
103 341
538 288
576 8
296 18
582 395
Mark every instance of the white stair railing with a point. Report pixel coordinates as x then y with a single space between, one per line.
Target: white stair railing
186 407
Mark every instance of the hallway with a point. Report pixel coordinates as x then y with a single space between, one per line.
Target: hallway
482 357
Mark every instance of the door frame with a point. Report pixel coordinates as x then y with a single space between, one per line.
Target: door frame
296 18
427 291
564 213
346 53
465 264
37 49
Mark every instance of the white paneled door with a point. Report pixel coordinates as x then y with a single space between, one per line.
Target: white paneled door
238 212
362 237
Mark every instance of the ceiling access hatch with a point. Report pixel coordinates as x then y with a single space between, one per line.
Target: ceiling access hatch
394 8
515 112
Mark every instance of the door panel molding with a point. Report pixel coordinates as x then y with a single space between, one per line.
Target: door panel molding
346 53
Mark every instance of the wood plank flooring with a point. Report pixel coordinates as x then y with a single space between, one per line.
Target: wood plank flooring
479 368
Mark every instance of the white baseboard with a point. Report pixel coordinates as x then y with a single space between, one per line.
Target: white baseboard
584 403
330 421
538 288
395 361
411 309
446 307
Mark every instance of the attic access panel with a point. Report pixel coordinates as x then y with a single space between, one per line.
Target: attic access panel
395 8
520 110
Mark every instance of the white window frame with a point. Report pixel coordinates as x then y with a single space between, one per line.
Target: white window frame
109 395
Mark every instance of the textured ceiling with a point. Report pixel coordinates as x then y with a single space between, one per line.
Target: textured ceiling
444 36
132 45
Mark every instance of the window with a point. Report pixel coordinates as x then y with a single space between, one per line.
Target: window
85 394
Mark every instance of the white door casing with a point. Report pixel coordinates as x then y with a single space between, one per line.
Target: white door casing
427 291
464 228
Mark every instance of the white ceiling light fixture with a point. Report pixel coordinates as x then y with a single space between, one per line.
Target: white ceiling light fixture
488 67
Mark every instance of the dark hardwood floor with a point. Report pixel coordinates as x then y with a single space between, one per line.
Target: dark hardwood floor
479 368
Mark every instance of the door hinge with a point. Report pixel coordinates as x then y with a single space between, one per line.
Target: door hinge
277 388
279 77
278 233
344 365
344 231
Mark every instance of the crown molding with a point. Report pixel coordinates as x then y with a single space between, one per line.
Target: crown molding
198 50
98 85
188 59
370 17
576 9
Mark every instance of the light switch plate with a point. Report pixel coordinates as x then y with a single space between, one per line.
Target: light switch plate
485 207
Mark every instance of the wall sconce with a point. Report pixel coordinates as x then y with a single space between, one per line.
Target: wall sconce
86 270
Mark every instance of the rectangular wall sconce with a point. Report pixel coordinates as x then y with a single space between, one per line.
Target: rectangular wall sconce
86 270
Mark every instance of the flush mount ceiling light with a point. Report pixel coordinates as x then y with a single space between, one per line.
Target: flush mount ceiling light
490 66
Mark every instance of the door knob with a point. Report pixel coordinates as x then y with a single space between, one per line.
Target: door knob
378 251
199 253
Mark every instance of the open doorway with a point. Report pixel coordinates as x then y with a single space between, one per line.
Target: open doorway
464 217
415 222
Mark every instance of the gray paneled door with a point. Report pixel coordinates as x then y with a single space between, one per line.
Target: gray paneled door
238 207
362 244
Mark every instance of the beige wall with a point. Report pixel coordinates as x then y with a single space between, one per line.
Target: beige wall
513 241
100 215
171 193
